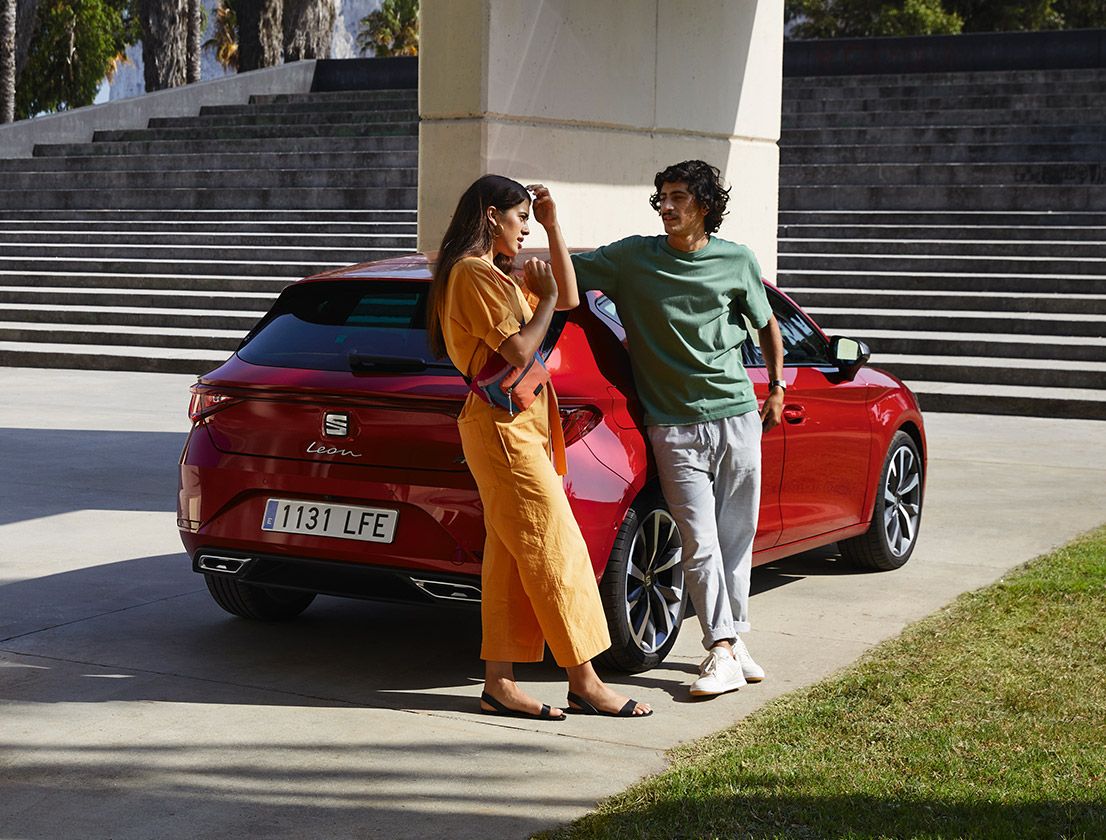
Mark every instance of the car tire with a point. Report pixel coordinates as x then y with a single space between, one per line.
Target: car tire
257 602
897 513
643 587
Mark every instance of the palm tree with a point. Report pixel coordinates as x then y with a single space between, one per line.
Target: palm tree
260 33
224 39
7 61
308 27
391 30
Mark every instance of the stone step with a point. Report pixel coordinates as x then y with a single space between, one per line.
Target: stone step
1063 174
941 132
114 264
381 238
137 280
208 162
407 105
944 233
233 179
215 254
342 117
946 218
951 198
922 86
998 345
1058 249
212 198
406 94
996 302
981 77
254 302
848 321
940 116
136 316
820 278
939 101
911 263
83 357
919 153
233 133
1043 373
272 145
236 218
224 341
1023 401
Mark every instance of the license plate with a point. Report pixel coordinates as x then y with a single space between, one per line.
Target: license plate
347 522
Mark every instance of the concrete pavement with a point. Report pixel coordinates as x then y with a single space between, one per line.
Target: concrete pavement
131 706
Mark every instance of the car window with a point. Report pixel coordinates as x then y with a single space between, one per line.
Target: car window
322 325
802 343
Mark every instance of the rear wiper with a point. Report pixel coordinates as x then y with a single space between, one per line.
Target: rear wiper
386 364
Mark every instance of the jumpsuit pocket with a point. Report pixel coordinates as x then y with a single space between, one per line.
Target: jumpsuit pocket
522 439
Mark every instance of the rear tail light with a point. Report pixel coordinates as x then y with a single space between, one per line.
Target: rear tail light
577 422
206 402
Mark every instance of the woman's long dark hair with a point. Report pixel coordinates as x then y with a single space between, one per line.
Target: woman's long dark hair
469 234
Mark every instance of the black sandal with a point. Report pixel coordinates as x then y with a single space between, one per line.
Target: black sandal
580 706
501 710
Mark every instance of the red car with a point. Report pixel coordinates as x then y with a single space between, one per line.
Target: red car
324 458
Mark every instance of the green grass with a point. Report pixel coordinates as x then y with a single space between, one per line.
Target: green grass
985 720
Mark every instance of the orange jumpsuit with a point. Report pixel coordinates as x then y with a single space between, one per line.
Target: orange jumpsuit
537 581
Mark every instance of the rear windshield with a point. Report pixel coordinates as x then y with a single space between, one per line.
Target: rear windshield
349 325
334 326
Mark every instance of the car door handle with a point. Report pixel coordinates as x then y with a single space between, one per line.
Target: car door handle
794 414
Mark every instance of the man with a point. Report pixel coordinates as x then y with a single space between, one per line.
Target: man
681 298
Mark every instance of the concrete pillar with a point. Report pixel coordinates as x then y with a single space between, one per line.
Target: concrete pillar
593 97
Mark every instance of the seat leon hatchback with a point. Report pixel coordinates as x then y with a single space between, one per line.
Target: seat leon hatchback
324 457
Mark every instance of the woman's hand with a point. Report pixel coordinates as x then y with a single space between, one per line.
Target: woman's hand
539 279
543 208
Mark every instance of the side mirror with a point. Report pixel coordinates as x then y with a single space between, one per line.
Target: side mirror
849 354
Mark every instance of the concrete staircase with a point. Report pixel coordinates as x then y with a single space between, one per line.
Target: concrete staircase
157 249
957 223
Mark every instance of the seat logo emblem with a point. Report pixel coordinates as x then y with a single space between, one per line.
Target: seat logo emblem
336 424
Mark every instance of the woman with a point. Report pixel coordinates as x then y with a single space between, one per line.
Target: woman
537 582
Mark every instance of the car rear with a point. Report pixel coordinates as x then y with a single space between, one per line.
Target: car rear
324 455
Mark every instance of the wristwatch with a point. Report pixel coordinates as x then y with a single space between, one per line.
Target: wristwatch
776 383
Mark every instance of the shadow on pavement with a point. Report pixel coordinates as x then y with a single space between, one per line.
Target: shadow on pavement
61 470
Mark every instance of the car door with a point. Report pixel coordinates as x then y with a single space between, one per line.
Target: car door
825 432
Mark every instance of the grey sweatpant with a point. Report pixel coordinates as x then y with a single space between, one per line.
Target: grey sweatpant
710 477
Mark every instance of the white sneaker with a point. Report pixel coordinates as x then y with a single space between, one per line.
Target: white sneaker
751 671
718 673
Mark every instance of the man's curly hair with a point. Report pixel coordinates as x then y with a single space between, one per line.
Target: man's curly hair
704 182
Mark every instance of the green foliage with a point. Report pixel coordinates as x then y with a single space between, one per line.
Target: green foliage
391 30
868 18
76 44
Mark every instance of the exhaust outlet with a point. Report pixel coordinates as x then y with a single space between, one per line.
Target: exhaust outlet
222 565
446 591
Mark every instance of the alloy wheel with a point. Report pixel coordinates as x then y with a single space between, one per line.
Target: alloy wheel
654 581
902 500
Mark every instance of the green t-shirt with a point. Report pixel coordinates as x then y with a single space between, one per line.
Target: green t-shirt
682 315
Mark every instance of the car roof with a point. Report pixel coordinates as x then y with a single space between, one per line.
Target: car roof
419 266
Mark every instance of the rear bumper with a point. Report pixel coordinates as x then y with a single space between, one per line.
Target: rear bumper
330 577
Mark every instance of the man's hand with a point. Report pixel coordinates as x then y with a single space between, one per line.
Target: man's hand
544 208
771 413
539 279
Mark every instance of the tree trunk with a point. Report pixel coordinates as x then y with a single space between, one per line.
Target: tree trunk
7 61
195 39
164 43
26 22
260 34
308 26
